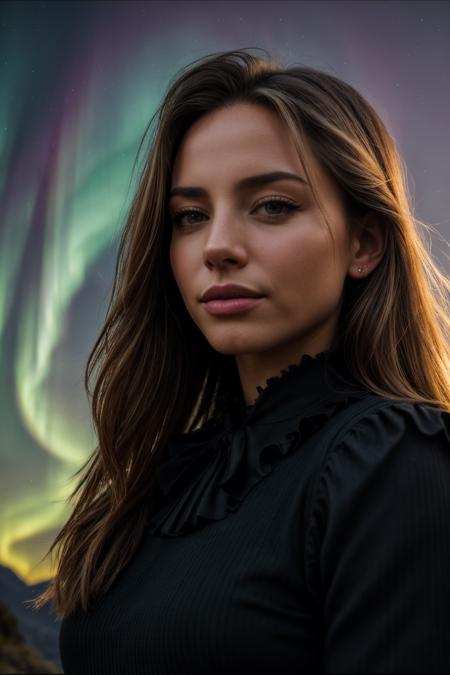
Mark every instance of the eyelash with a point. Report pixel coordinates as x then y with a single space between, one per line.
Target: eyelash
287 203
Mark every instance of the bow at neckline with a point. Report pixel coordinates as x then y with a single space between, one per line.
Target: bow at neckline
207 473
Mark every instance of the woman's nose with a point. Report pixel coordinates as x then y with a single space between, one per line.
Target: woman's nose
225 241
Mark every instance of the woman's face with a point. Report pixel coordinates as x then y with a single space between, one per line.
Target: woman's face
285 255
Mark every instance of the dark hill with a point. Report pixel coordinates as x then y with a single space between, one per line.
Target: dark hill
38 629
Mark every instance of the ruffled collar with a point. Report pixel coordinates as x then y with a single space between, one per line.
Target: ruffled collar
207 473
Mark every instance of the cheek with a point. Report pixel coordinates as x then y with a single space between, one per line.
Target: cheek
179 262
184 263
304 270
294 261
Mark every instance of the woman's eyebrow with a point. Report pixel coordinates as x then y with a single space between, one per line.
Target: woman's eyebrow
243 184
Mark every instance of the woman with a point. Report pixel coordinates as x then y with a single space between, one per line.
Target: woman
271 487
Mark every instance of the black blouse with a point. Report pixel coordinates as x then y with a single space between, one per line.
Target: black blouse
306 533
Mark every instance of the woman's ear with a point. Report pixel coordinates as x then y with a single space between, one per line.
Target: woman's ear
368 246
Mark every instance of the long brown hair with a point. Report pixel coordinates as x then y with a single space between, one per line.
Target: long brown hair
155 371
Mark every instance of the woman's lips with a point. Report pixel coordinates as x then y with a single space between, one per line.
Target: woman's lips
230 305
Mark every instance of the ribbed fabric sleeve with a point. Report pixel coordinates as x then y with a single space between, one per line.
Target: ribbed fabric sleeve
378 544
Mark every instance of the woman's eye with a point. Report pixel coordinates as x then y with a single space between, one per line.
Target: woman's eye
283 203
283 206
177 217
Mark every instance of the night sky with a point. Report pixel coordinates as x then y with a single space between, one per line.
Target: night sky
79 82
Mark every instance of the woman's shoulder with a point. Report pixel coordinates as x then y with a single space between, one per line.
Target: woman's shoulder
400 448
384 484
390 432
377 549
387 422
